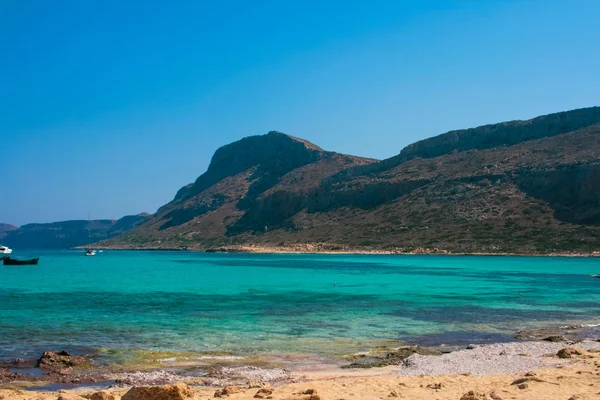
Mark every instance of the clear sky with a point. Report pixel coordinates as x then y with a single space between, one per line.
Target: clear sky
109 107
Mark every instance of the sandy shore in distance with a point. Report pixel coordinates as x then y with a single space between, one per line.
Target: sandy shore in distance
518 370
320 248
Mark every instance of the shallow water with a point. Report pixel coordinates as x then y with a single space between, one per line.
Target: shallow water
127 304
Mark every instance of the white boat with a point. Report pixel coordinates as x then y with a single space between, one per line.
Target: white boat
5 250
88 251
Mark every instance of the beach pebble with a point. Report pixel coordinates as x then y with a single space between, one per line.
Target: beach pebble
436 386
523 386
226 391
310 394
178 391
393 393
69 396
102 395
568 352
471 395
494 396
263 393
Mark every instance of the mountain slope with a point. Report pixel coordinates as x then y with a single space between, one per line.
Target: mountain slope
5 228
68 234
523 186
219 205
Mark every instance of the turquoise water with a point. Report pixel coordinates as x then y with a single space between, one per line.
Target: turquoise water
248 303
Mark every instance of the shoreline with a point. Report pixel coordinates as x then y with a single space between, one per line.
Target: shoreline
319 249
542 370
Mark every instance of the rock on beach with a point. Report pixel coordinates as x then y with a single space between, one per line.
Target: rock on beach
178 391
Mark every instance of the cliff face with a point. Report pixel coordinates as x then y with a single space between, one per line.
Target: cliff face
523 186
68 234
503 134
488 137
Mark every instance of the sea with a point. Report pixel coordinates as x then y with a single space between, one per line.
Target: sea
125 303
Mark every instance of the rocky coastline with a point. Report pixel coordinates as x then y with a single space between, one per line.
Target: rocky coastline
518 370
553 351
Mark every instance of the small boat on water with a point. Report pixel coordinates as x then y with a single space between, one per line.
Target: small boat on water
17 261
5 250
89 252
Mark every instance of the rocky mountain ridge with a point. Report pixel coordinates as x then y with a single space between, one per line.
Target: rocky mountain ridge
522 186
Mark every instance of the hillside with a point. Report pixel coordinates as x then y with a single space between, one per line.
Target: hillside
68 234
5 228
522 187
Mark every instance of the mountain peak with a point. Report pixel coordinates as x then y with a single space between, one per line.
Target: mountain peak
309 145
273 154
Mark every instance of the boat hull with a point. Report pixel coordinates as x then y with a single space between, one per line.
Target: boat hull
14 261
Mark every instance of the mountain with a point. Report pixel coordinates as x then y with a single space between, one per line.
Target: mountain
68 234
5 228
518 187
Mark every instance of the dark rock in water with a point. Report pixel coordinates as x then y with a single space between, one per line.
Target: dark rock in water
400 354
19 363
555 339
392 358
7 376
61 362
562 334
178 391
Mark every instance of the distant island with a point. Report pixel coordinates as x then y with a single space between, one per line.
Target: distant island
5 229
519 187
66 234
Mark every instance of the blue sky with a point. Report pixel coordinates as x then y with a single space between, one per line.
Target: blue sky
109 107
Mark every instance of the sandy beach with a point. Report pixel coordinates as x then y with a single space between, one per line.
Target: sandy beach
518 370
325 248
